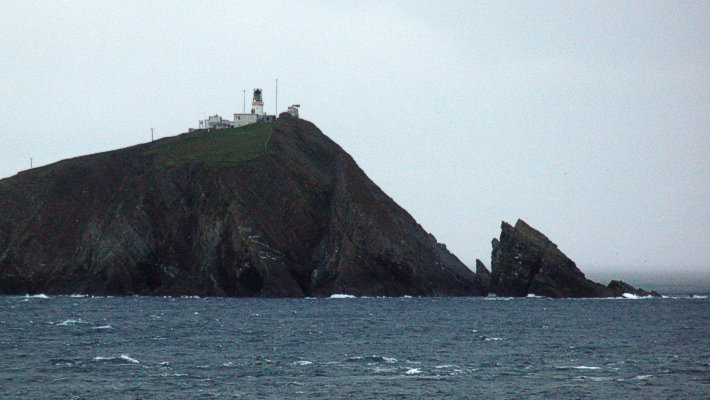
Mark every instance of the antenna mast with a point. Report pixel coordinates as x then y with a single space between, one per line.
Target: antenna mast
151 134
244 106
276 111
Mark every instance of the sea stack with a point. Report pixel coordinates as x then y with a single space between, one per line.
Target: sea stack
524 261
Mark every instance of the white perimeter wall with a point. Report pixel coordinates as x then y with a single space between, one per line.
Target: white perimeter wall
244 119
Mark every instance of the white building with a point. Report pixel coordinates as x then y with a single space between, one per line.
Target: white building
244 119
217 122
240 119
293 110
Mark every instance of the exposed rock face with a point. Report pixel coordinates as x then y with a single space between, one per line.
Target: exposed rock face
524 261
258 211
484 276
619 288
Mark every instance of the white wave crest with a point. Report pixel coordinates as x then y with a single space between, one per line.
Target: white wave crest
342 296
413 371
69 322
578 367
594 378
129 359
124 357
36 296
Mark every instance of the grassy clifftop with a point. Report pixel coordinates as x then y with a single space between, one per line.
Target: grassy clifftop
222 147
217 148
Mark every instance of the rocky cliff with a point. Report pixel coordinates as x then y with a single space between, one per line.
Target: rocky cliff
524 261
264 210
483 275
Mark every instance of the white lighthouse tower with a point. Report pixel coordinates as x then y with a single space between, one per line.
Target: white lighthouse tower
257 105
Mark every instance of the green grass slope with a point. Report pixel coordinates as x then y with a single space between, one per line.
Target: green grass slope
223 147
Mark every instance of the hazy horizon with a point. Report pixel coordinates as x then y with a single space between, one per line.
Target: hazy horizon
588 121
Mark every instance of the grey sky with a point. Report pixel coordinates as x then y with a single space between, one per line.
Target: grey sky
589 120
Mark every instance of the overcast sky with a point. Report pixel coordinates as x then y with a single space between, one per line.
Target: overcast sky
589 120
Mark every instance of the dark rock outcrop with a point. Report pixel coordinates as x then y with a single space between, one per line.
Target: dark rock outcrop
483 275
264 210
619 288
524 261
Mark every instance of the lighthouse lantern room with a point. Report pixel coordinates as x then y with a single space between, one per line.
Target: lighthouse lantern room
257 105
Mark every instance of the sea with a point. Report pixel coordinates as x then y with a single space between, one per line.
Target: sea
83 347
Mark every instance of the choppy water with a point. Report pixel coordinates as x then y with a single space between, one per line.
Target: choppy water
192 348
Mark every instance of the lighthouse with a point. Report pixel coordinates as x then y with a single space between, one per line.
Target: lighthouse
257 105
256 115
